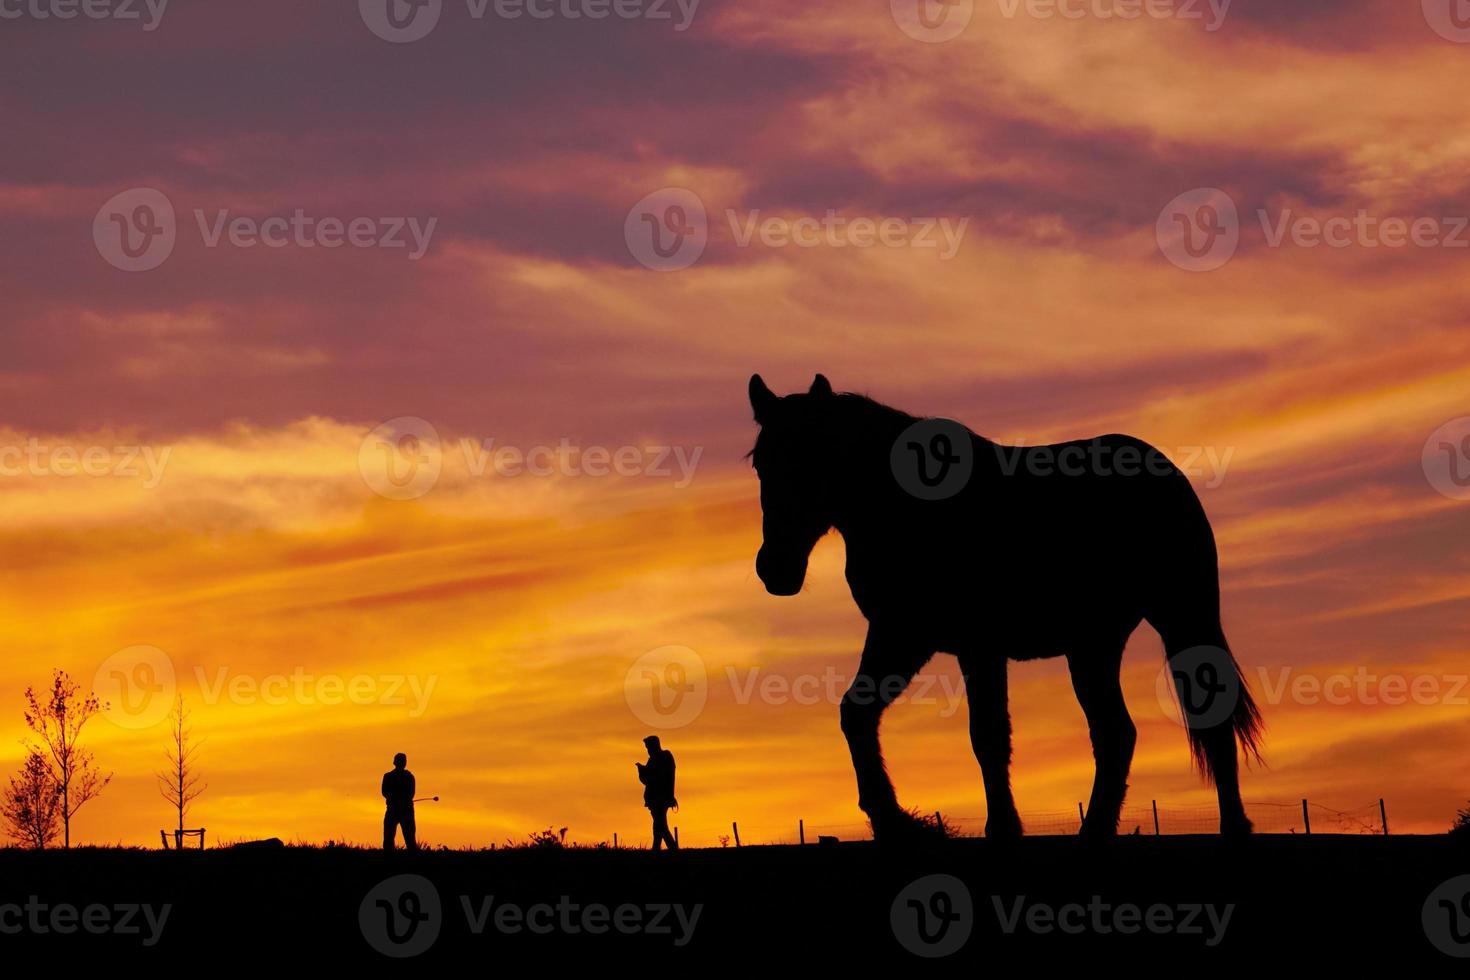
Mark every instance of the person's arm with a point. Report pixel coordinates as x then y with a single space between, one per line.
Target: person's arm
412 789
385 786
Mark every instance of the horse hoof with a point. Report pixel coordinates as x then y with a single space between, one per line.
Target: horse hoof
907 827
1005 830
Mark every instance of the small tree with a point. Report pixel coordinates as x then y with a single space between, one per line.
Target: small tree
1462 822
32 804
179 783
57 721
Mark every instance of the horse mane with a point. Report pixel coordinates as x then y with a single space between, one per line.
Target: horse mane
868 413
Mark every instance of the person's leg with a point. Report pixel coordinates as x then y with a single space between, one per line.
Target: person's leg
661 822
660 826
390 825
410 832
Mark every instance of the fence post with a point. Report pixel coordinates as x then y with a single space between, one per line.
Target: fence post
1081 815
801 830
1383 812
676 835
736 827
615 840
1306 817
1156 816
938 820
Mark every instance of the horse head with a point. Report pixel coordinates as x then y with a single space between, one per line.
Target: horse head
795 477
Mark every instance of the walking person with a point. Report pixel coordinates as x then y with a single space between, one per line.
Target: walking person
657 777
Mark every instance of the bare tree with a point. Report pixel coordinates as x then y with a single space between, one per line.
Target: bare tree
57 720
31 807
179 783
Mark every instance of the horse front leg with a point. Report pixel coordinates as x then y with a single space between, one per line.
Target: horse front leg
990 736
887 666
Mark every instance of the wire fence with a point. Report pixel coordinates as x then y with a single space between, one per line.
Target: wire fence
1301 817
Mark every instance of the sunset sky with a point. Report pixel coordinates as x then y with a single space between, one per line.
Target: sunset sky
192 455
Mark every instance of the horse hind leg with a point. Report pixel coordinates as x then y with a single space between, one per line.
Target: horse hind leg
1096 680
1199 657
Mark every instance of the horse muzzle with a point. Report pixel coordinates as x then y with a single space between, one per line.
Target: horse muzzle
780 576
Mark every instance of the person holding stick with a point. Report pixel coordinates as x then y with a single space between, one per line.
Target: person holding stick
398 788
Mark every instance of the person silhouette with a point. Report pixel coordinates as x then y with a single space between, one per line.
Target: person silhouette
657 777
398 790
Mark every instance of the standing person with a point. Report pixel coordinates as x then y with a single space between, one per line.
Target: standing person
657 777
398 789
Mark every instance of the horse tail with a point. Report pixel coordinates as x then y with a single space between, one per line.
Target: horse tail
1209 739
1215 699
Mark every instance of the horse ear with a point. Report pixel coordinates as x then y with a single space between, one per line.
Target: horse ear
821 386
762 399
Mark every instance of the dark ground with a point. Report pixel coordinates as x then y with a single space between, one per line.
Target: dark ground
1311 903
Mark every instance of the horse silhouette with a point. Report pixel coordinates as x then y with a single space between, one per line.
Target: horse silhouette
960 545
